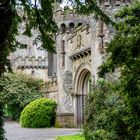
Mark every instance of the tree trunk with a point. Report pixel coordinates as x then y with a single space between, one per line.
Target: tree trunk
5 24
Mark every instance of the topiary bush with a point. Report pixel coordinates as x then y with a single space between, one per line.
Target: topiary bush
39 113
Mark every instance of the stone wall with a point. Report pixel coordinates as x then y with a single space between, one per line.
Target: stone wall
65 120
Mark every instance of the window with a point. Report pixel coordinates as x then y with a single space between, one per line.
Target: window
63 28
63 52
71 27
80 24
33 72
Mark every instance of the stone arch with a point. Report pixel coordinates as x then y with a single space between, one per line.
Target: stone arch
79 74
81 88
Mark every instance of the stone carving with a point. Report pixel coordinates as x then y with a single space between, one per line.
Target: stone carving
67 82
68 103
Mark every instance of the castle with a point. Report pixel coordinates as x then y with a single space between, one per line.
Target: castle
72 71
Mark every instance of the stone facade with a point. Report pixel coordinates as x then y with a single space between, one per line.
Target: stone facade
31 60
80 46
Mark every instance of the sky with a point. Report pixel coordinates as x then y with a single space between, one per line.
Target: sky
64 3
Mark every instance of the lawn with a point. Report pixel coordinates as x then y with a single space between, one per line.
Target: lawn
71 137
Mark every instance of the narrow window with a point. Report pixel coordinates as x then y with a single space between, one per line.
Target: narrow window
80 24
63 28
101 35
63 52
50 64
33 72
71 27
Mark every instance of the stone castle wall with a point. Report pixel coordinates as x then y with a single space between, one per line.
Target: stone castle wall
80 46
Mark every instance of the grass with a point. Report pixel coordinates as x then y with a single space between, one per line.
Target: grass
71 137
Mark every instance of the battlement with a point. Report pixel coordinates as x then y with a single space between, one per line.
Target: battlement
68 19
30 62
64 14
114 3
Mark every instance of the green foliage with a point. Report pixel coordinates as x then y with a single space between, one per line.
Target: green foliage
39 113
37 15
106 114
17 91
2 137
124 47
124 50
71 137
92 7
57 125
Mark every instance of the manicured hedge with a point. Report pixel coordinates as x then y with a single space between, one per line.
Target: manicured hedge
38 114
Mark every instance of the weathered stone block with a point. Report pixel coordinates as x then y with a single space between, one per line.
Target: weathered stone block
65 120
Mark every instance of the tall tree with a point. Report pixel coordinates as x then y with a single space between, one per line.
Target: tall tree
38 15
2 137
124 55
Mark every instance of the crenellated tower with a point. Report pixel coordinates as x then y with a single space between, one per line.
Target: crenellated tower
80 46
31 60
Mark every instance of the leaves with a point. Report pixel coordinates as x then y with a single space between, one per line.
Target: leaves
124 54
105 113
17 90
38 114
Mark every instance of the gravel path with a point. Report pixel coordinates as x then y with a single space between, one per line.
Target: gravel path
15 132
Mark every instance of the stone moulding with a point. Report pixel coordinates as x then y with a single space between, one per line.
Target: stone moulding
31 67
81 53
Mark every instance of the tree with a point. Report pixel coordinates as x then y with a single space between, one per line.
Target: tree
124 55
18 90
2 137
39 16
106 113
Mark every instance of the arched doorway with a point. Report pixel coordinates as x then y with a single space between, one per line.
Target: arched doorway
83 87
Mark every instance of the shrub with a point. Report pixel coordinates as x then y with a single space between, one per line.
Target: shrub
38 114
106 115
18 90
2 136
